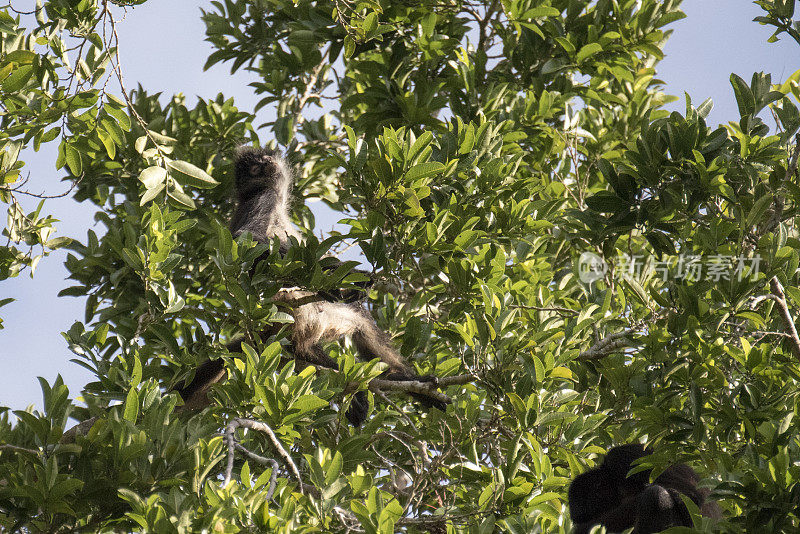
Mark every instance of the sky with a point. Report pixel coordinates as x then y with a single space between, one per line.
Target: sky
717 38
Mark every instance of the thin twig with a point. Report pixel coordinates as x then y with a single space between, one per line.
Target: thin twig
394 405
308 91
556 309
273 479
19 190
259 427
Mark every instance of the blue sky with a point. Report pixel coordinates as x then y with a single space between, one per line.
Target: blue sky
162 48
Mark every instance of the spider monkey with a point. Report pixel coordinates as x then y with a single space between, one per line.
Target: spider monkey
263 184
608 496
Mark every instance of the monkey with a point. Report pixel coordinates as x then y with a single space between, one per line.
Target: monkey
263 183
608 496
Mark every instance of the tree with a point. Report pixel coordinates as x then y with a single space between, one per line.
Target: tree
476 151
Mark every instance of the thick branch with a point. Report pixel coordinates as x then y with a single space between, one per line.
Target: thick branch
14 448
780 298
296 296
427 388
608 345
81 429
409 386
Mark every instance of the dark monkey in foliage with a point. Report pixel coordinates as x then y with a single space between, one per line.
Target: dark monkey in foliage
263 188
608 496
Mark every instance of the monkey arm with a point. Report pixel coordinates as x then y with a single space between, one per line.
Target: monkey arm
617 519
356 292
331 266
655 509
660 508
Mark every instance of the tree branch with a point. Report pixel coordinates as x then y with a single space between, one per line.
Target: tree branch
427 388
81 429
780 298
273 479
14 448
259 427
609 344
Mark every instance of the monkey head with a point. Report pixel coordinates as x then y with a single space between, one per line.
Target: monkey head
619 461
259 169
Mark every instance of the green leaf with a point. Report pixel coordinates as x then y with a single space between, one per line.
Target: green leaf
423 170
349 46
122 118
133 260
370 24
136 375
150 194
744 96
189 174
422 142
22 57
162 139
539 12
758 210
565 43
108 143
153 177
140 144
74 161
606 202
588 51
130 410
175 192
17 79
485 497
58 242
5 71
334 469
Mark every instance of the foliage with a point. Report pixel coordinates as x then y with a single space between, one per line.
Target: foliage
475 151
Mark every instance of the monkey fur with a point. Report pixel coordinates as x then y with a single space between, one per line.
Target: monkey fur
608 496
263 188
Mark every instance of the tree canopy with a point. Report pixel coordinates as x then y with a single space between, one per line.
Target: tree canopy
578 266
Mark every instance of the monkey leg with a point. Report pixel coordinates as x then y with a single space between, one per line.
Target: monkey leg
616 519
328 321
659 509
325 321
315 355
372 342
195 393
